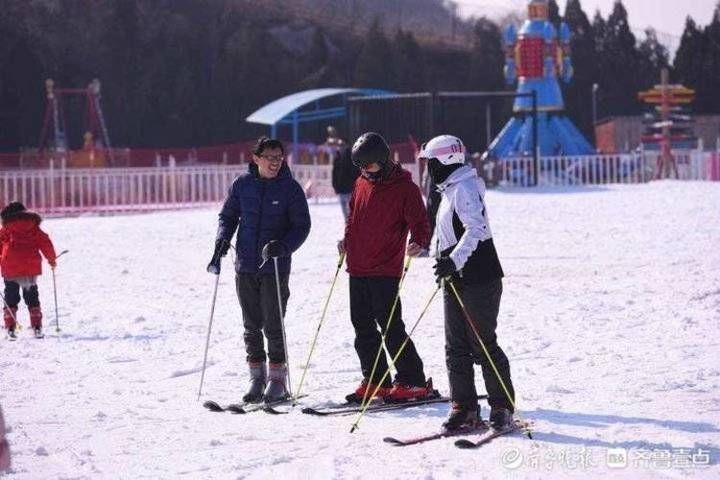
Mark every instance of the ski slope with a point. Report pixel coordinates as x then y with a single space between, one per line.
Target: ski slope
610 318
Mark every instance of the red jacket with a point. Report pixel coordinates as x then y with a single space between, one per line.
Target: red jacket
381 214
21 242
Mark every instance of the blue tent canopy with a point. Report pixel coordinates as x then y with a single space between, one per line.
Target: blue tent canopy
287 110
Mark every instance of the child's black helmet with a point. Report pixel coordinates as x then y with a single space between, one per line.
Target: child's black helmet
11 209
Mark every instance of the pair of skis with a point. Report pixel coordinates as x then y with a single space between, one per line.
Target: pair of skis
381 406
486 432
247 407
344 408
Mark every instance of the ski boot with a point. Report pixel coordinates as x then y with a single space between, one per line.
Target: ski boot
9 316
360 392
11 334
401 392
500 418
36 321
257 383
462 417
276 389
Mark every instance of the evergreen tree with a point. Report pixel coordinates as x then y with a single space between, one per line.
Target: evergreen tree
411 71
375 66
554 14
578 93
619 62
689 56
122 45
487 57
710 77
653 58
317 65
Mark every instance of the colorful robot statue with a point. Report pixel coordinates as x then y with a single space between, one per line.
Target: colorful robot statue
535 56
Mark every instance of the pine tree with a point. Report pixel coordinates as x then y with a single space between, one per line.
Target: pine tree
619 62
710 78
315 70
375 67
688 58
554 14
411 69
653 58
487 57
578 93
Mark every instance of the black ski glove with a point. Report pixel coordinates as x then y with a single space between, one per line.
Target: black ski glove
221 247
444 267
274 249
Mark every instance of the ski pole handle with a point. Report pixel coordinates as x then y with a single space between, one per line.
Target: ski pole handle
214 265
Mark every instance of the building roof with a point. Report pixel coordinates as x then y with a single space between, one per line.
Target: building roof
278 110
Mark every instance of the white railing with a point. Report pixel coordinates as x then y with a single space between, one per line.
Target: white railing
117 189
605 169
68 191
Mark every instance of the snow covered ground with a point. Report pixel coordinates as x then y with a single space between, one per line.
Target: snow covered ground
610 318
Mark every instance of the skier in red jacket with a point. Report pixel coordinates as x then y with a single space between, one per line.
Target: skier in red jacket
21 242
385 205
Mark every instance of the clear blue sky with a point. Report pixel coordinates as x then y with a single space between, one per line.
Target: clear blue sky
666 16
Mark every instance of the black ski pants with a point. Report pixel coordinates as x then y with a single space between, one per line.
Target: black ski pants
259 302
29 293
462 348
371 300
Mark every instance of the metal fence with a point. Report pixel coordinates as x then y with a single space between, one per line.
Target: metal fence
70 191
605 169
67 191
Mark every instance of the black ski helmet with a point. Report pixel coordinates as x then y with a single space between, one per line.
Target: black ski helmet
369 148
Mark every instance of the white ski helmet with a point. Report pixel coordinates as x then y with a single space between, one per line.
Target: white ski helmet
446 148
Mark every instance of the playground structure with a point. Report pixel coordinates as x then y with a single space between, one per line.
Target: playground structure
670 127
96 150
535 56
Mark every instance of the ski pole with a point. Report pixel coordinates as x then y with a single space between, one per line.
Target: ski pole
214 268
394 359
317 333
7 307
470 322
387 328
282 324
57 315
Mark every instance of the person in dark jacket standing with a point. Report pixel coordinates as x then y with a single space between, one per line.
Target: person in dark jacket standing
384 206
467 257
269 210
344 174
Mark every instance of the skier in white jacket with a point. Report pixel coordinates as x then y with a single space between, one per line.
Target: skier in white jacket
467 258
